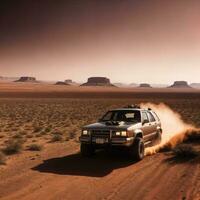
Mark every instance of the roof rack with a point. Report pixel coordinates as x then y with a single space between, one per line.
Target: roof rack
132 106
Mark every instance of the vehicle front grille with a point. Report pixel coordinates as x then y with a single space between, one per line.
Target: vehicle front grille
100 133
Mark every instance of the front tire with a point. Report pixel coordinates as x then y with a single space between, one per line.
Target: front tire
137 149
87 150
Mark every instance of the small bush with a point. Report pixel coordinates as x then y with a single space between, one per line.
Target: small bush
37 129
35 147
2 158
72 135
47 129
184 151
57 133
1 135
12 147
43 133
18 136
29 136
38 135
56 138
23 132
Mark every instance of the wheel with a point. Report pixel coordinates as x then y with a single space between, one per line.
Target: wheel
158 138
87 149
137 149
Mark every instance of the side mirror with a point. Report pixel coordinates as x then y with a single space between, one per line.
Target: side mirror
145 121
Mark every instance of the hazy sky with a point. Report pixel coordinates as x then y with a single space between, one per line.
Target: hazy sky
156 41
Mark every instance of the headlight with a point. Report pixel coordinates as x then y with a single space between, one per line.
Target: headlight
120 133
123 133
85 132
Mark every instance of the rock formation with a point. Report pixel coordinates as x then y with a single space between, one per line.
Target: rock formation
26 79
98 81
61 83
180 84
145 85
68 81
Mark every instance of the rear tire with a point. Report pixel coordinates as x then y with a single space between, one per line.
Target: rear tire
137 149
87 150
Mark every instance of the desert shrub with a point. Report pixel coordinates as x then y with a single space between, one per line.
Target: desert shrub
35 147
193 136
2 158
14 129
22 132
13 146
1 135
38 135
56 138
57 132
37 129
29 136
184 151
72 135
43 133
47 129
17 136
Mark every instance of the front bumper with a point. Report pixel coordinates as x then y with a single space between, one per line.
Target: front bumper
115 141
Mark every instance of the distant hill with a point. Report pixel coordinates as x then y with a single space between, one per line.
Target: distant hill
145 85
98 81
27 79
180 84
62 83
195 85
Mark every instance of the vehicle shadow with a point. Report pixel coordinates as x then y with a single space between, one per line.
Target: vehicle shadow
99 165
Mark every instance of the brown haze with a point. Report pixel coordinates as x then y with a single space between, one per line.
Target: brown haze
78 39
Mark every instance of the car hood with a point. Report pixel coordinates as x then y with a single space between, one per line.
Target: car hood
103 126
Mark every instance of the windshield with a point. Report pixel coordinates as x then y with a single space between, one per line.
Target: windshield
122 115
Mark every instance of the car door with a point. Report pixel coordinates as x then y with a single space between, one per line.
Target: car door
152 125
146 129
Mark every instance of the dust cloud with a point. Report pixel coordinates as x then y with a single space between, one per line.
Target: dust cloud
175 130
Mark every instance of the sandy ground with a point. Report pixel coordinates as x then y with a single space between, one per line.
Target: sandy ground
59 172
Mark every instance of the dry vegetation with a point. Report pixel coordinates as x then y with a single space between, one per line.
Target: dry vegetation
30 124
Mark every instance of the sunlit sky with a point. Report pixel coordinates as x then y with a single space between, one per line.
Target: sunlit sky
130 41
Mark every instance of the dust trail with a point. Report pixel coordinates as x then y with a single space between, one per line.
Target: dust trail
175 130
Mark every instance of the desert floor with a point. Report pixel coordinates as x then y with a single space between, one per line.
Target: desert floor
59 172
52 117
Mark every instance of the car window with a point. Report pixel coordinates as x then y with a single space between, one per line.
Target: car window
151 117
155 116
130 115
144 117
107 116
122 115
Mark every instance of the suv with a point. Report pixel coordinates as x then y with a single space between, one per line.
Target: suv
131 127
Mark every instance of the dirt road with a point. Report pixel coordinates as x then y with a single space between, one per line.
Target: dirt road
59 172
